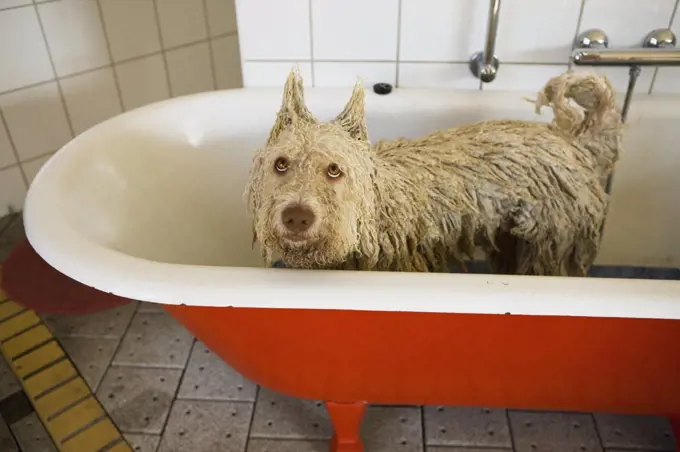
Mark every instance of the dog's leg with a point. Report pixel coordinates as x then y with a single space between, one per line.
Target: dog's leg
504 260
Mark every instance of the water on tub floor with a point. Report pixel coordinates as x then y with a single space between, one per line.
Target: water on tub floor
168 393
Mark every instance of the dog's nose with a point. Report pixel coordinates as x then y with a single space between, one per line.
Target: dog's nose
297 218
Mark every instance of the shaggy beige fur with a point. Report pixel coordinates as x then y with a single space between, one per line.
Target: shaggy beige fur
530 193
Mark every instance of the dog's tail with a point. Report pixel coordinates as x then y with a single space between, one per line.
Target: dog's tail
597 124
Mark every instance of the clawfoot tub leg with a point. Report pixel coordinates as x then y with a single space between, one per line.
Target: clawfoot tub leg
346 418
675 423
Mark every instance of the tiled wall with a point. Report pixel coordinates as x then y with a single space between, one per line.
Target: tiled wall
427 43
66 65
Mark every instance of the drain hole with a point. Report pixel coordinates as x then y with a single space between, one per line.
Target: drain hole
442 431
270 423
440 409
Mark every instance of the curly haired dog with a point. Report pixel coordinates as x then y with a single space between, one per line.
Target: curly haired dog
531 194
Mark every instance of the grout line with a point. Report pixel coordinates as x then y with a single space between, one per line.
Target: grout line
423 435
116 81
54 71
304 60
13 146
213 69
163 49
179 386
396 75
578 28
597 431
510 432
311 44
252 417
116 349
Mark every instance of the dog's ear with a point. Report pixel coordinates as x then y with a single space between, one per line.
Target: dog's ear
353 117
293 110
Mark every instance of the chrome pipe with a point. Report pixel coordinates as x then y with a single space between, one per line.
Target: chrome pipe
626 57
484 65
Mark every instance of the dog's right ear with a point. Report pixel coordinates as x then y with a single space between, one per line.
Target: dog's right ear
293 109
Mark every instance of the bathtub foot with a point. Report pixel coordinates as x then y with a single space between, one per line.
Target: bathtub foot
675 423
346 418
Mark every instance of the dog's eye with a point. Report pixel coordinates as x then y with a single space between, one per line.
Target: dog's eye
281 164
334 171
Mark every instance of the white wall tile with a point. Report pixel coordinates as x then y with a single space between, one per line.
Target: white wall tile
437 75
23 53
261 73
221 16
142 81
7 157
227 62
31 168
345 74
4 4
618 76
190 69
667 81
36 120
523 77
182 21
274 30
442 30
12 190
91 98
355 29
131 27
75 35
536 31
626 22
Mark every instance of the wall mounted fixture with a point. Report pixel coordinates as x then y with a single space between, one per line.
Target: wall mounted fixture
484 64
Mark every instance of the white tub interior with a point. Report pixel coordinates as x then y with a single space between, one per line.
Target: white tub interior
149 205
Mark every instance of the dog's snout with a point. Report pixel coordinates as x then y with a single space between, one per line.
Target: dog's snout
298 218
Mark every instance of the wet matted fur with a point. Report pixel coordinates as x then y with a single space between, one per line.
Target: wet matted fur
531 194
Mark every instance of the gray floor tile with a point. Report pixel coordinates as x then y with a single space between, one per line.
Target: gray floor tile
8 382
139 399
281 445
91 356
208 377
150 307
466 427
554 432
635 432
5 220
387 429
465 449
7 443
110 323
280 416
207 426
143 443
32 436
12 234
155 339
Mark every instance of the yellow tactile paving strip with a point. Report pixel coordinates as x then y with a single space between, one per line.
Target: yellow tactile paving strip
70 412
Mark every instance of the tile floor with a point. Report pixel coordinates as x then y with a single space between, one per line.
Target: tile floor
168 393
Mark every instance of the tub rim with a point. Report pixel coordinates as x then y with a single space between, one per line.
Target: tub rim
49 232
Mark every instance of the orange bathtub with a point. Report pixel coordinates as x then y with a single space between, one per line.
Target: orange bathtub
148 205
352 358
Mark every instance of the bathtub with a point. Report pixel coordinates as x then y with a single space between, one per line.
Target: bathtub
148 205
